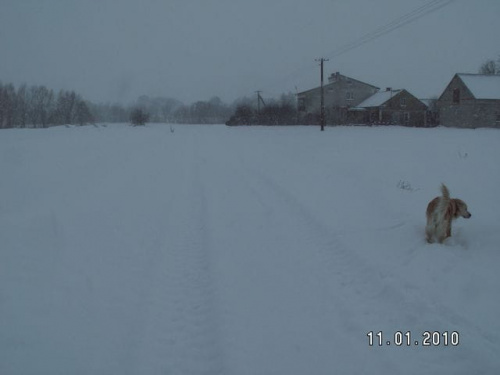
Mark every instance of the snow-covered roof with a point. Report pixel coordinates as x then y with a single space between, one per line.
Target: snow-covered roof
377 99
427 102
482 86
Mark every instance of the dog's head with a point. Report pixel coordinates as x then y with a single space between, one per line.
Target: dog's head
459 208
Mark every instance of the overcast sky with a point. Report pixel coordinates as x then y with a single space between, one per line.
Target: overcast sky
116 50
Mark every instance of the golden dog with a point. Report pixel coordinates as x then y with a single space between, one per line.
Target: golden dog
440 213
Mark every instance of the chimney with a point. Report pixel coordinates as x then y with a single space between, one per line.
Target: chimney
334 77
388 89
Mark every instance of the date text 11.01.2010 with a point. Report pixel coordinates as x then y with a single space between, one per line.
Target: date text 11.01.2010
427 338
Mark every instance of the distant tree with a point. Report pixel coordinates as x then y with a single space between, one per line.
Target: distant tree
289 99
168 108
8 102
22 106
64 111
66 105
244 115
108 112
182 115
160 109
219 111
40 105
489 67
200 112
9 105
118 113
82 113
138 117
2 105
278 114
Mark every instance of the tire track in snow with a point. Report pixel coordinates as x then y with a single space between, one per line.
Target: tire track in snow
308 275
179 329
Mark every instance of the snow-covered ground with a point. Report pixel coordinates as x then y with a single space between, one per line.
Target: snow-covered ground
245 250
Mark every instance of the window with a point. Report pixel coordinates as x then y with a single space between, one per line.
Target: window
498 118
456 96
349 95
402 102
406 117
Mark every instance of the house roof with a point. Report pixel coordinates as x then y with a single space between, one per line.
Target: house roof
332 83
482 86
379 98
428 102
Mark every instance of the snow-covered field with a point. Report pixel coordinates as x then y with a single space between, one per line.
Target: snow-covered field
246 250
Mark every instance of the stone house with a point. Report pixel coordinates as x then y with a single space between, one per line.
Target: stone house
390 107
471 101
340 94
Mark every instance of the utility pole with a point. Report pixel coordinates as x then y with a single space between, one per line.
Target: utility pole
322 116
259 100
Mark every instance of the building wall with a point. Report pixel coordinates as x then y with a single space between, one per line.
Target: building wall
340 94
403 109
468 112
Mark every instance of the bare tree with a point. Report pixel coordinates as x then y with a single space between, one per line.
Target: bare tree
9 99
41 101
82 113
22 106
489 67
2 105
139 117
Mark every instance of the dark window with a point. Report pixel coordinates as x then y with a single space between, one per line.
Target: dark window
456 96
407 118
402 102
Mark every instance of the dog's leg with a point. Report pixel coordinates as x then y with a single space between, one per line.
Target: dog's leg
448 230
442 236
429 233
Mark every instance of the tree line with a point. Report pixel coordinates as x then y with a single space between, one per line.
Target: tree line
276 112
169 110
40 107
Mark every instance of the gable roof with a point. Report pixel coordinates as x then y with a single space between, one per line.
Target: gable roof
338 77
482 86
379 98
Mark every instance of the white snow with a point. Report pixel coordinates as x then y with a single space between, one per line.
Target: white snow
245 250
482 86
377 99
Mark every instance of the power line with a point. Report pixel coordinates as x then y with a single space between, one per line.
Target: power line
395 24
428 8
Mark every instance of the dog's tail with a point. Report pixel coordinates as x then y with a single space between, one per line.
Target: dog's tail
445 192
444 201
